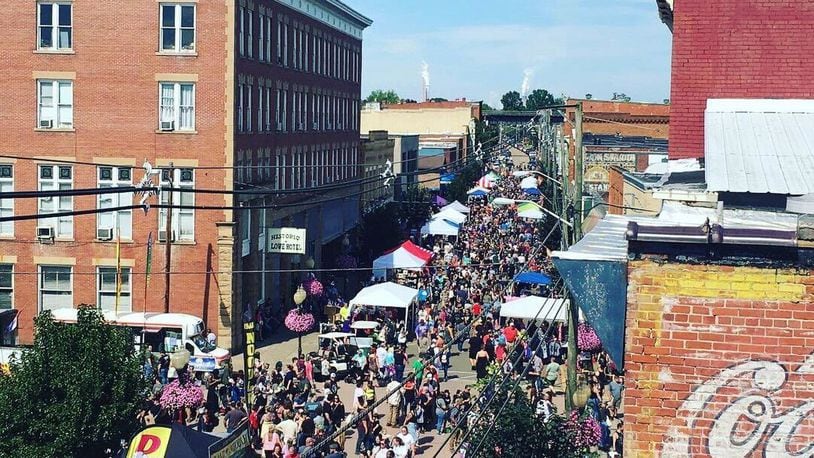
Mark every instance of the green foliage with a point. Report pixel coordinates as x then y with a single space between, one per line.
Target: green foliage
519 432
438 99
414 208
486 107
75 393
381 230
540 98
512 101
464 179
381 96
486 134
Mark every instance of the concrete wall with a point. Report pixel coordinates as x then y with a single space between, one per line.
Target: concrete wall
719 361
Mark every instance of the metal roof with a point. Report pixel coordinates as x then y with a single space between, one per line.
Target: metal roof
759 145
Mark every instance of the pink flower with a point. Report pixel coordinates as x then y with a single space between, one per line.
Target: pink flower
313 287
175 395
587 340
299 321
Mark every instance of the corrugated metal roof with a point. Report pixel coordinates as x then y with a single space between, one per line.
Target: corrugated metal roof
605 242
759 145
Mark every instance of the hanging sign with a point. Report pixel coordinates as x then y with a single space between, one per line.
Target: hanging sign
286 240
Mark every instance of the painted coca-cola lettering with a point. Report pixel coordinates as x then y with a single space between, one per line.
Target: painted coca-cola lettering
756 420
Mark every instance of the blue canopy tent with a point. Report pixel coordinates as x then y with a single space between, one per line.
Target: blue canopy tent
533 278
532 191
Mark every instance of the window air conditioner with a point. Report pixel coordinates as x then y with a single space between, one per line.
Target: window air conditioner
162 236
167 126
104 233
46 123
45 233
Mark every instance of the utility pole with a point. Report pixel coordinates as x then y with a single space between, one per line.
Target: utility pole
579 172
573 313
168 241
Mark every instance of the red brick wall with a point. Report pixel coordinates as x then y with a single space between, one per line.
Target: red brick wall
715 353
115 115
735 49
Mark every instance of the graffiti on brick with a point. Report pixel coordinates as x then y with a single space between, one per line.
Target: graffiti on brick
752 420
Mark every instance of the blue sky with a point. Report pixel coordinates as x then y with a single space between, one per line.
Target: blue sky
480 49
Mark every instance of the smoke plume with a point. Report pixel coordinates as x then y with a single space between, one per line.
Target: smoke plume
524 88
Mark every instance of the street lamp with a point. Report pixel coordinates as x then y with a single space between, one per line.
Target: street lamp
299 298
508 201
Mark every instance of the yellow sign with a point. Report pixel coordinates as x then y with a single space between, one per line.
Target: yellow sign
248 359
150 442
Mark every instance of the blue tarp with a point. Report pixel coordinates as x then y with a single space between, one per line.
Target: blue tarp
534 278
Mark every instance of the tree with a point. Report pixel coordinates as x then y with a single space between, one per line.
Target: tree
485 106
380 230
438 99
381 96
540 98
464 179
511 101
75 393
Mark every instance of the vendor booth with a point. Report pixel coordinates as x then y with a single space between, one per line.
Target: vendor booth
440 227
477 191
526 308
408 255
457 206
450 215
386 295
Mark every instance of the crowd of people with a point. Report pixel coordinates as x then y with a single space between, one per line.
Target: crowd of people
297 405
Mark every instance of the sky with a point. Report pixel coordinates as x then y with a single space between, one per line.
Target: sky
481 49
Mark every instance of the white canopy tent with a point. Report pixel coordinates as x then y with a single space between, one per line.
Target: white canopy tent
457 206
440 227
387 294
397 259
526 308
450 215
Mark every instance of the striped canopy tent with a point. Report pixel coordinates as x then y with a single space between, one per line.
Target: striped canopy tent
486 182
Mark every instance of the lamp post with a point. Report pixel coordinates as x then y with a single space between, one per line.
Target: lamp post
299 298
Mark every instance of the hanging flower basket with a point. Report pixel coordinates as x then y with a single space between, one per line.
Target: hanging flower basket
177 395
584 430
313 287
299 321
587 340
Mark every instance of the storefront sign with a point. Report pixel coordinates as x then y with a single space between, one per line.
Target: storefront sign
286 240
624 160
203 363
150 442
248 358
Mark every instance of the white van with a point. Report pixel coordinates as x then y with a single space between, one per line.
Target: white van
161 331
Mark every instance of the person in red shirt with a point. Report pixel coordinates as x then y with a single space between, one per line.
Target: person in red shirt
476 309
510 332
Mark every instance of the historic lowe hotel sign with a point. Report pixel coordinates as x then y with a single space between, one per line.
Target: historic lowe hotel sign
286 240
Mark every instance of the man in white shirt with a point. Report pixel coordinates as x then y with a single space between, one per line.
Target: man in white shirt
407 438
393 402
288 428
381 355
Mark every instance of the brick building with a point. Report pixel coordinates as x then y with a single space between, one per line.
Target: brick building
204 86
733 49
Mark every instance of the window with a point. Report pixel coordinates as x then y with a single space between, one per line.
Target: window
240 89
106 289
6 205
249 37
119 221
284 119
177 27
6 286
268 26
183 219
260 106
248 110
268 109
55 102
242 31
55 287
56 178
261 41
245 233
177 109
55 21
279 41
285 45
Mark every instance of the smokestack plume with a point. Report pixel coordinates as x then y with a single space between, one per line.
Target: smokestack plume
425 77
524 88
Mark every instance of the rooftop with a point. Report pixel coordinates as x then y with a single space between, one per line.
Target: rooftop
759 146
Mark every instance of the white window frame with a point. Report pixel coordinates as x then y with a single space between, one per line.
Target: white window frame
240 108
177 27
62 225
8 289
57 104
279 41
250 34
41 290
269 28
122 226
285 110
246 233
175 111
268 109
242 31
260 107
126 293
248 110
55 27
7 205
261 37
187 235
